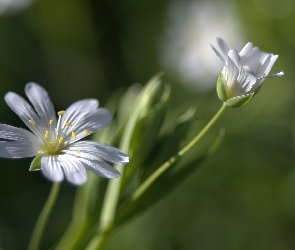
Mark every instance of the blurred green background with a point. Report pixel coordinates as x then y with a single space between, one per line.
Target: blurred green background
244 197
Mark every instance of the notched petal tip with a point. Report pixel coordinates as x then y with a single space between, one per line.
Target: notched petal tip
221 57
247 49
9 96
30 84
34 90
124 160
220 40
222 45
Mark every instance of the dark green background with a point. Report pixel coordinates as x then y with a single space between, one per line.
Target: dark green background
243 198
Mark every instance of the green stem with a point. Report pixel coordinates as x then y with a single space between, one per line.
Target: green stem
39 229
149 181
111 196
99 242
112 193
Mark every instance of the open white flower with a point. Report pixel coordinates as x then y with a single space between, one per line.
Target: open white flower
243 73
55 142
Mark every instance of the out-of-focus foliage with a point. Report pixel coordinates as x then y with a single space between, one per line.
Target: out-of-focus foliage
242 198
143 135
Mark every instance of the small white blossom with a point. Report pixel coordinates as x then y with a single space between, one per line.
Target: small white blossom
56 141
244 72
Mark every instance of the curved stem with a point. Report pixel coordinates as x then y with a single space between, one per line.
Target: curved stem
41 223
148 182
98 242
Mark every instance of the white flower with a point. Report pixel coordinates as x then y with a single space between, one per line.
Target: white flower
243 72
56 141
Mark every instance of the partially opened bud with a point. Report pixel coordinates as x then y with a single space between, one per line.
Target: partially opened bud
243 73
145 122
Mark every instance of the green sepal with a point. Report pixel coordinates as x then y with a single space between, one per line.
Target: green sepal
220 88
239 101
36 164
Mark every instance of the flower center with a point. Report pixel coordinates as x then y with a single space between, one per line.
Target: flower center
54 147
53 140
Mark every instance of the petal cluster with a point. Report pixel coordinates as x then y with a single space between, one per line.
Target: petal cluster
243 72
55 139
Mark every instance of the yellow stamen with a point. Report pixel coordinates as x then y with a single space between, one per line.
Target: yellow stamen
32 122
50 121
61 112
87 132
41 152
78 152
60 140
46 134
73 135
68 124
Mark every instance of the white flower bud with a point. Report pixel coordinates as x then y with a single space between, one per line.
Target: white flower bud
243 73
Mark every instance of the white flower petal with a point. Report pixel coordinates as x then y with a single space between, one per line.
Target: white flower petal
100 168
222 45
16 149
254 60
16 134
261 70
21 143
24 110
218 53
264 57
92 122
235 57
74 170
78 110
248 82
275 75
102 150
246 51
41 102
270 64
232 72
51 168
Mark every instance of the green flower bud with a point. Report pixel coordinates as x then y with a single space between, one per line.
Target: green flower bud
146 119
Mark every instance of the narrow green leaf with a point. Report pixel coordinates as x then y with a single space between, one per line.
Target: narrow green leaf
164 184
173 135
